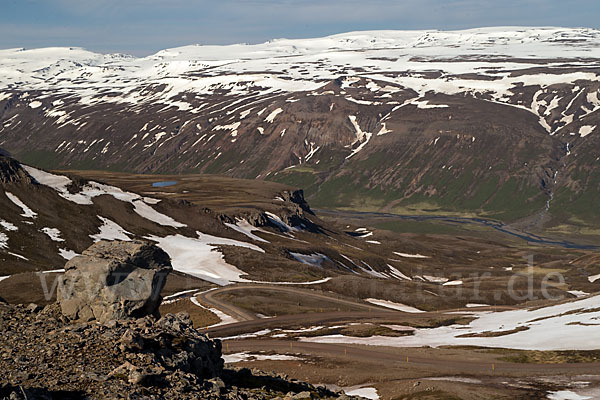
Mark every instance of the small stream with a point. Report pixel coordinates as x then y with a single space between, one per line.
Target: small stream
494 224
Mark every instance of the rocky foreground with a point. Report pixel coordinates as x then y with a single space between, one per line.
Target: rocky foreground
44 356
104 339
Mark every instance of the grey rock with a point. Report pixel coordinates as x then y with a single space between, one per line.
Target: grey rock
113 323
302 396
216 385
177 323
114 280
125 371
149 358
32 307
131 341
136 377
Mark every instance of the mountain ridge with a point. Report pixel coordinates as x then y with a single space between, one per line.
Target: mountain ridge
343 35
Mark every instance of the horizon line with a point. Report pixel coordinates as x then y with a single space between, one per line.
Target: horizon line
75 47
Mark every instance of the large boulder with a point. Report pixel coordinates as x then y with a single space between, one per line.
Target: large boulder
114 280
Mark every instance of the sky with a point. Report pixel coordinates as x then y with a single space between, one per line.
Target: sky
143 27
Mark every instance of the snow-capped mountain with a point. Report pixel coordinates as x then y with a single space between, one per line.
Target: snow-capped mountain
378 120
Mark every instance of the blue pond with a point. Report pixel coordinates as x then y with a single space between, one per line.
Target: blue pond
164 183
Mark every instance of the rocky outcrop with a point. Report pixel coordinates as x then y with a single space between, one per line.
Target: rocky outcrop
43 355
292 209
42 349
12 172
297 197
297 211
114 280
177 345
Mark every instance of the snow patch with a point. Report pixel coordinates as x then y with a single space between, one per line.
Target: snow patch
246 356
3 241
67 254
110 230
394 306
453 283
246 228
383 130
406 255
426 105
94 189
362 137
586 130
566 326
366 392
397 273
27 212
54 234
435 279
199 256
578 293
7 226
566 395
593 278
279 222
247 335
271 117
18 256
232 127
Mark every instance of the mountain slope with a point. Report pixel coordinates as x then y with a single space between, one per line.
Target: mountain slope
389 120
224 231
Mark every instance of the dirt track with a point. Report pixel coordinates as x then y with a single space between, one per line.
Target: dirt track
250 322
209 298
398 357
394 369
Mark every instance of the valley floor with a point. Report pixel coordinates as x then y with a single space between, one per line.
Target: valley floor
290 344
380 306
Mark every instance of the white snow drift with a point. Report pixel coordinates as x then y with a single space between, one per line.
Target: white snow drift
27 212
394 306
94 189
110 230
567 326
199 256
